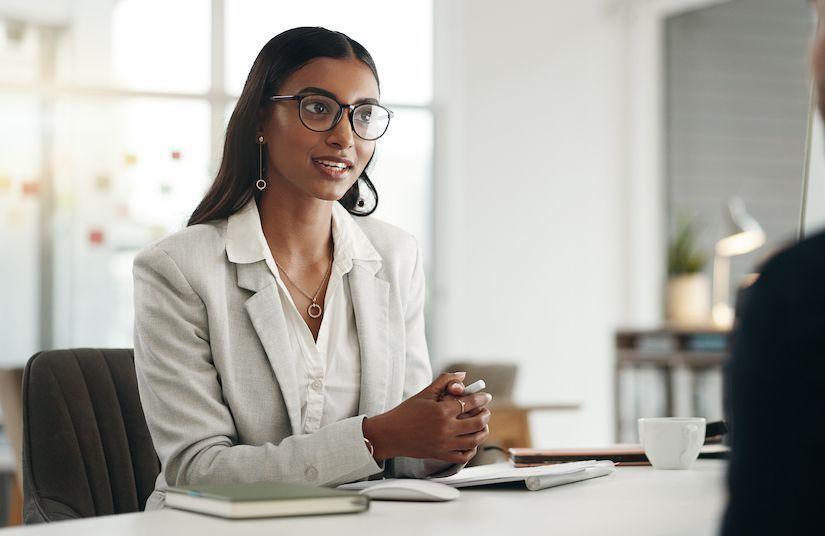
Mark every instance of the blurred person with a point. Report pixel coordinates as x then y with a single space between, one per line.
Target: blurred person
280 335
777 382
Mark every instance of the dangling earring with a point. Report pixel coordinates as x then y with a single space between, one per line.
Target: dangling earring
260 183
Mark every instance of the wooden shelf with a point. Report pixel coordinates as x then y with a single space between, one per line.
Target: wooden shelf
693 359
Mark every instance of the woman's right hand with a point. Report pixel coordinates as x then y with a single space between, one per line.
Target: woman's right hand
432 424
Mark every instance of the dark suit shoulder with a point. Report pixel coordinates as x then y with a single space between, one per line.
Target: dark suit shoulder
799 259
777 378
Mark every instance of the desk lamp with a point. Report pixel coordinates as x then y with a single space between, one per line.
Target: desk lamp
746 236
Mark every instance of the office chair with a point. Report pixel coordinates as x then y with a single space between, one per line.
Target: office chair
86 447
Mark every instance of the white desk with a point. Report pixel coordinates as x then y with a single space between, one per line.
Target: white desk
634 500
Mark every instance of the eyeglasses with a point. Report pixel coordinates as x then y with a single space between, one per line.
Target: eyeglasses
321 113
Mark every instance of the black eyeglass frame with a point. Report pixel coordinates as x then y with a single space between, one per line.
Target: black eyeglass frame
350 107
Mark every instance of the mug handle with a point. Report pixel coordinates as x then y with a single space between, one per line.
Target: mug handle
691 433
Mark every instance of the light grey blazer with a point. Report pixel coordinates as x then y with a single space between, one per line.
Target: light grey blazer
217 380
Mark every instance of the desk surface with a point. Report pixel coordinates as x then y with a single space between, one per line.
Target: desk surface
633 500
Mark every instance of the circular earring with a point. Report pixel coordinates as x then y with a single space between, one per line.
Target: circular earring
260 184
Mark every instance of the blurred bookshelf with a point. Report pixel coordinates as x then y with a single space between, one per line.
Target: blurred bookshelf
668 373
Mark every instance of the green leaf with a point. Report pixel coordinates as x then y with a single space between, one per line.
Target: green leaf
683 256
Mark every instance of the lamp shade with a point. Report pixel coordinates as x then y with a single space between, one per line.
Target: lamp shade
746 233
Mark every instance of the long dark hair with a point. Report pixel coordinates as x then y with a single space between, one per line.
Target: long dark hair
234 185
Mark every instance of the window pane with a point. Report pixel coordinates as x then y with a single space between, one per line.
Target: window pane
146 45
402 52
19 227
128 171
19 53
402 174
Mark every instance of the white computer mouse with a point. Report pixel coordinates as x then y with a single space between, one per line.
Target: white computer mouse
410 489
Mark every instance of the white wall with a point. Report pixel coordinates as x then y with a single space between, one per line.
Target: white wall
738 96
531 165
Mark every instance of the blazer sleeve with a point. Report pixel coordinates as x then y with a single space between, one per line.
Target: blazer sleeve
191 426
418 373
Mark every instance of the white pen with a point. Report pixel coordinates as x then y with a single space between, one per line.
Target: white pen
474 387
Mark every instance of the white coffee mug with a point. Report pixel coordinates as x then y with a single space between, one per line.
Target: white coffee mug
672 442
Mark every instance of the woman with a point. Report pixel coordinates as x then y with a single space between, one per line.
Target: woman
280 336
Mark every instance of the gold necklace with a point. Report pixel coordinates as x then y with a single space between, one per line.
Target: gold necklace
314 310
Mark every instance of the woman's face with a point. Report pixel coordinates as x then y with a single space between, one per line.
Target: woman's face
296 153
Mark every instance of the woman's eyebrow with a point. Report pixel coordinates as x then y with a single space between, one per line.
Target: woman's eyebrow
330 94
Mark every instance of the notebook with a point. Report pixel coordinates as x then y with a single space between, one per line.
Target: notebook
533 478
264 499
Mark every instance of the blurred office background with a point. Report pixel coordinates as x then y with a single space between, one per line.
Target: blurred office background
542 152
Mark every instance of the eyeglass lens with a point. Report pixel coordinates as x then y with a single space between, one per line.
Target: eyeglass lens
318 112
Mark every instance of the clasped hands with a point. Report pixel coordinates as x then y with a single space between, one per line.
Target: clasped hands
437 423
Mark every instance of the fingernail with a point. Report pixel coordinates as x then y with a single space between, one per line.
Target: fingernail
462 374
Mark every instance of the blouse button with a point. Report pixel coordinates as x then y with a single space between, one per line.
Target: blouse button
317 385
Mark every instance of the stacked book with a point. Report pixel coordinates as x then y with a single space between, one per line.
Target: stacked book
264 499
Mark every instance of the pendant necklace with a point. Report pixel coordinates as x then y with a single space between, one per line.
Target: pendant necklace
314 310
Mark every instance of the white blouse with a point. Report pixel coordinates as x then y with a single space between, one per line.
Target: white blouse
330 383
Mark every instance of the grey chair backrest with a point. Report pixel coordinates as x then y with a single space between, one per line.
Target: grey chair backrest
86 447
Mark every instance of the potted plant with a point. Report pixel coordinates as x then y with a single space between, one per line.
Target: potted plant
688 288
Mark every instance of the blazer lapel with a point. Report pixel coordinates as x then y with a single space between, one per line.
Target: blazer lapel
370 303
267 316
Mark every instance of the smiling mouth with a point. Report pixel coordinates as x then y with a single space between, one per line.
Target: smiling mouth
333 166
